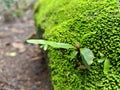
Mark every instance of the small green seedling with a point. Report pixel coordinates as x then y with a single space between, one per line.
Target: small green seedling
106 61
85 54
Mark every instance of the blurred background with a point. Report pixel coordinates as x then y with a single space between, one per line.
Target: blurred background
10 10
22 66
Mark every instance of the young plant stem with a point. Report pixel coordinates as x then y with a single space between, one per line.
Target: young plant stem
79 58
77 46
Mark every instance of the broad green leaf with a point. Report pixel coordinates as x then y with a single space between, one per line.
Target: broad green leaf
106 66
53 44
87 57
73 55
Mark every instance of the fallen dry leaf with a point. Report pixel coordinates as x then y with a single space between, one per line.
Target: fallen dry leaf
12 54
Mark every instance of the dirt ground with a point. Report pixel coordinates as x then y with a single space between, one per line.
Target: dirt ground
22 66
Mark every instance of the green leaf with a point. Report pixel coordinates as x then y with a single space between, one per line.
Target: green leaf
73 55
53 44
101 54
42 46
101 60
35 41
60 45
45 47
106 66
87 56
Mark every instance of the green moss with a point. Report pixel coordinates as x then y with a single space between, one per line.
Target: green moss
67 21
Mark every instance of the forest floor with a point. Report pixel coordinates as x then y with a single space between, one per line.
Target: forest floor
22 66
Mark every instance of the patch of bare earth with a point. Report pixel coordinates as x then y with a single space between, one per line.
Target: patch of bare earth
22 66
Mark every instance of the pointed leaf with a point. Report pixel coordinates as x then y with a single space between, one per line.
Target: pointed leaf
87 57
35 41
101 54
45 47
106 66
53 44
60 45
101 60
73 55
41 46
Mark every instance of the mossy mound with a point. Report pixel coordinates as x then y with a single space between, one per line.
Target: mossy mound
67 21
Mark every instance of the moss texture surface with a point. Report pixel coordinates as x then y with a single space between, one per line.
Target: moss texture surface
67 21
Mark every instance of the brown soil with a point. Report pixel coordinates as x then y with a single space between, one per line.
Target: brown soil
22 66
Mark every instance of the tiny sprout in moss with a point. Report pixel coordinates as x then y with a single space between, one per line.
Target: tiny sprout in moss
106 65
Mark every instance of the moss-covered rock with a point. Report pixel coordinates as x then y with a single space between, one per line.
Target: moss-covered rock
67 21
